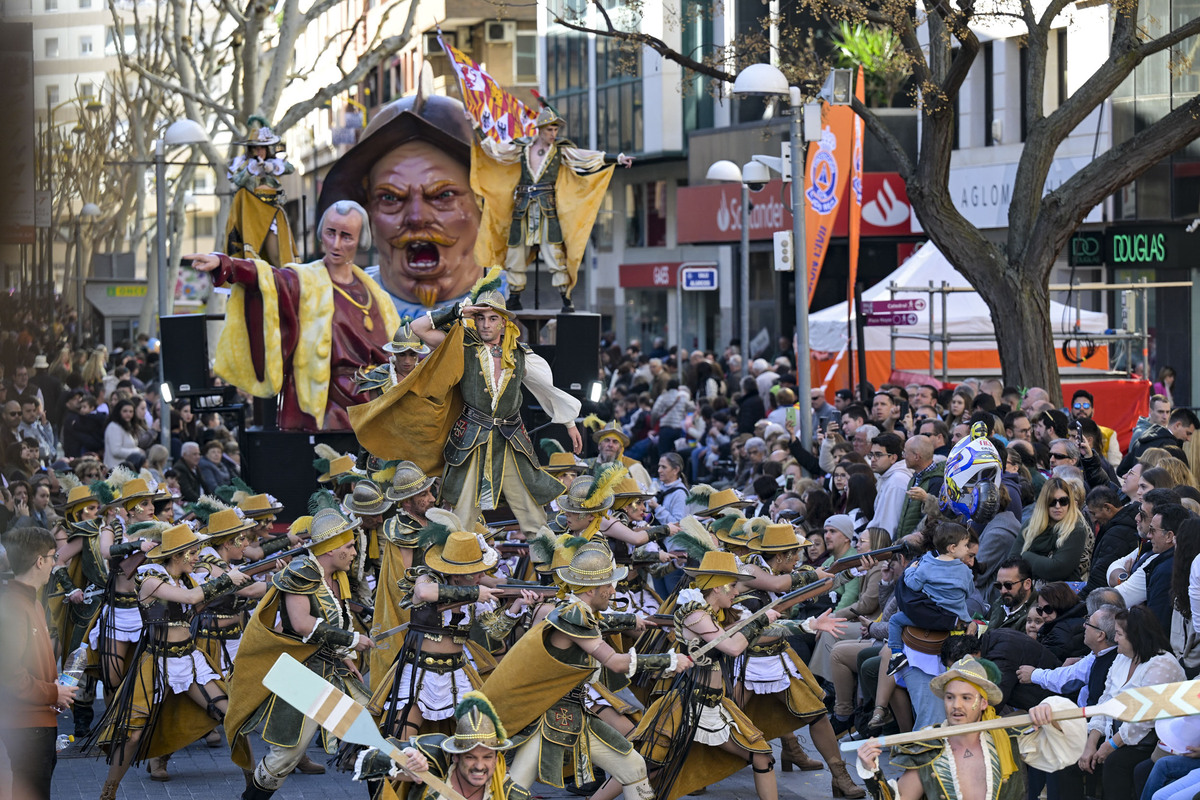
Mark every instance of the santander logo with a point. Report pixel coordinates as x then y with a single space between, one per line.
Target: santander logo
724 218
886 210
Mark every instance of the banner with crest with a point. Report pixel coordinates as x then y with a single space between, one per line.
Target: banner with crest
497 113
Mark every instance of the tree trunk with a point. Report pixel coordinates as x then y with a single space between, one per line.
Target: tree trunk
1019 301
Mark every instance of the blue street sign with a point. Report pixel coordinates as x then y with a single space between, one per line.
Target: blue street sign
699 279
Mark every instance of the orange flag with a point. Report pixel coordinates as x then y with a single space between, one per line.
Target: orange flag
827 170
856 188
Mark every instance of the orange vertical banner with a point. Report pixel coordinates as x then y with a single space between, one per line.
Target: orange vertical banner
826 173
856 189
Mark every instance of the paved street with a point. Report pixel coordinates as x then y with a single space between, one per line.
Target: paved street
201 772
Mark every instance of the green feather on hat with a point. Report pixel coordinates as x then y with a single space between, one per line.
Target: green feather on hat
488 283
225 493
104 492
726 521
478 701
442 523
549 445
699 495
692 539
205 506
607 478
541 546
320 500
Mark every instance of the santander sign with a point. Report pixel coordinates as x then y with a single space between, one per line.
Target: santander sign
713 213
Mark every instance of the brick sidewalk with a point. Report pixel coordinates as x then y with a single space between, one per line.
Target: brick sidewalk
202 772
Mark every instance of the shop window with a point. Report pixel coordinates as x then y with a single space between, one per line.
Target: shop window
656 214
635 215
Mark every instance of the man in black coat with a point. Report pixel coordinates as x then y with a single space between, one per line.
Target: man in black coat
1178 432
1116 536
1008 649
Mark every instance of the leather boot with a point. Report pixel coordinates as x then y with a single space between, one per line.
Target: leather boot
567 307
792 754
514 302
843 786
157 767
256 792
109 792
309 767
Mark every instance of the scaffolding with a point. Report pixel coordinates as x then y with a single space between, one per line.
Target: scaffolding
1133 331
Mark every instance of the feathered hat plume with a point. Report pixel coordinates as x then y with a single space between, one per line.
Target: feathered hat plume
231 492
119 477
488 283
727 521
692 539
477 701
322 499
549 446
607 478
699 495
593 422
68 481
152 530
205 506
442 523
755 527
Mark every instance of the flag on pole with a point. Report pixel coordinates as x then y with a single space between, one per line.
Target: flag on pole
497 113
826 173
856 188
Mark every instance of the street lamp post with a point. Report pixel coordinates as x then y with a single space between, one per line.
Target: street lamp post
728 172
765 79
180 132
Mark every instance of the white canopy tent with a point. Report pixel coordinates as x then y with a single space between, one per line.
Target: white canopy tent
965 311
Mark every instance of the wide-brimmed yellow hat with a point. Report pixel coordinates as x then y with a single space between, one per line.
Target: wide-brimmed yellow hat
777 537
176 539
708 501
133 490
225 523
77 498
730 528
969 670
256 506
454 549
718 568
564 462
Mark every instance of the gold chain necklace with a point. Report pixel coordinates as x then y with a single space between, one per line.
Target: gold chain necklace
365 308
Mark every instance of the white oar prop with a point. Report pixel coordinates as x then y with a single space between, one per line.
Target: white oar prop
1143 704
336 712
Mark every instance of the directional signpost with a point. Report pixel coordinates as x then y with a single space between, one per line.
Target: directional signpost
892 312
899 318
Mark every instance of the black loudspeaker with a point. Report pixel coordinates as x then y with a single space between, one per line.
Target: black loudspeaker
185 352
576 361
280 463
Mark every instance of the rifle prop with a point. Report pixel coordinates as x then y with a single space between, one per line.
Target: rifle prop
1141 704
515 589
847 562
781 603
256 567
337 713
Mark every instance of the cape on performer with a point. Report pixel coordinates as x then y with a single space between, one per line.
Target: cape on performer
462 407
304 331
541 195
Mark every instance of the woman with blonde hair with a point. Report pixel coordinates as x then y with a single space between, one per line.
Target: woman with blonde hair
94 371
1179 472
1056 538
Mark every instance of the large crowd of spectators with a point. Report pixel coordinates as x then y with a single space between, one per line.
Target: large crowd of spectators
87 411
1085 582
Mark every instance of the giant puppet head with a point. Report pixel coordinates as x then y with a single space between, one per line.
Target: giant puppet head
973 472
